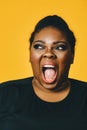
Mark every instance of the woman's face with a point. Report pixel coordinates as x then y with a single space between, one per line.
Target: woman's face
50 57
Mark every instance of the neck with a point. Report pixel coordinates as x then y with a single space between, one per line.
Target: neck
51 95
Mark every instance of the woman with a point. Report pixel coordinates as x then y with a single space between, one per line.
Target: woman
49 100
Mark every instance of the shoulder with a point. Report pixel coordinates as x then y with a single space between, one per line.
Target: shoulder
13 88
14 92
79 89
78 83
16 83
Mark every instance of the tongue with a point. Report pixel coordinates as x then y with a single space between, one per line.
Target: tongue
49 75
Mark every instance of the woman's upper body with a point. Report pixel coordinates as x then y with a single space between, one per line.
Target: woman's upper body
49 100
21 108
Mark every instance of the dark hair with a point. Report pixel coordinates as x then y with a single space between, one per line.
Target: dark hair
58 23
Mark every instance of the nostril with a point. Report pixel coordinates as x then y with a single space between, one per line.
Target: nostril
49 55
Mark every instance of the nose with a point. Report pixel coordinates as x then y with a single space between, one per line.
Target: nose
49 54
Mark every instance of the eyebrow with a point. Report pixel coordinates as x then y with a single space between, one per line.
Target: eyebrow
39 41
55 42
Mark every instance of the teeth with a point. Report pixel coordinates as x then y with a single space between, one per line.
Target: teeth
49 66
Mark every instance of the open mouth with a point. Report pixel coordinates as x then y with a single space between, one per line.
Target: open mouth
49 73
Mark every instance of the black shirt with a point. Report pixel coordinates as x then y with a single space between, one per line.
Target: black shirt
21 109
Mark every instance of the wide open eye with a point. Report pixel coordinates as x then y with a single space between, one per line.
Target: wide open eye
38 46
61 47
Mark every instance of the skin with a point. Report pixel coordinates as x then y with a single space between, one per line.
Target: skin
50 47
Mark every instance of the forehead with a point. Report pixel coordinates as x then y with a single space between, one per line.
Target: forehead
49 33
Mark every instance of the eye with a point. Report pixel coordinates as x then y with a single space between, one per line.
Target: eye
38 46
61 47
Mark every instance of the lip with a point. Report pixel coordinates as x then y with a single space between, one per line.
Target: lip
49 64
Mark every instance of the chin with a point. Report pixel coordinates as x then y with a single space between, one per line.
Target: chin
50 86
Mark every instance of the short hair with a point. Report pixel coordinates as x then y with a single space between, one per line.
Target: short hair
58 23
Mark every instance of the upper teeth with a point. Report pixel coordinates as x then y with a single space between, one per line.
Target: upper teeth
49 66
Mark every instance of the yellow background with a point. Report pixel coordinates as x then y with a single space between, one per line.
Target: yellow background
17 20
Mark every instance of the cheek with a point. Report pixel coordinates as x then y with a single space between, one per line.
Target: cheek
34 58
64 64
34 62
65 59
